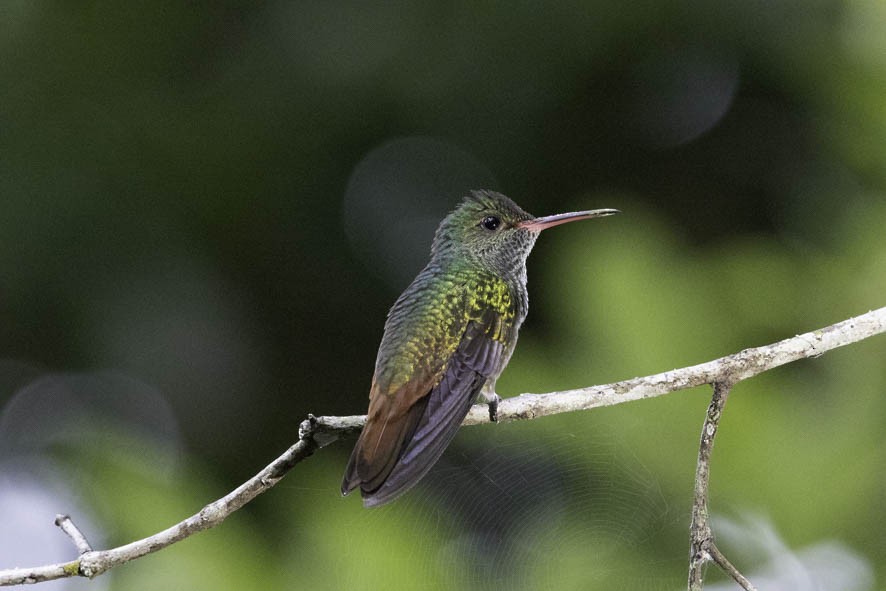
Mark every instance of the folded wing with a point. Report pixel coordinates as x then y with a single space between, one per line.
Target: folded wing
408 430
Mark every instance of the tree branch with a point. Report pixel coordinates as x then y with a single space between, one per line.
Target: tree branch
317 432
732 368
701 539
73 532
727 567
94 563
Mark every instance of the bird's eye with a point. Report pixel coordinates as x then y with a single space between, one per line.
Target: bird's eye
491 222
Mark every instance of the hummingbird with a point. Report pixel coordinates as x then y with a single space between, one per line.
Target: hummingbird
446 340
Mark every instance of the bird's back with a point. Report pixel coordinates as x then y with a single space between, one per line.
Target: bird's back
452 330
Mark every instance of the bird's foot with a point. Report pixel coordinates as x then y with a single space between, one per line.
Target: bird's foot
492 399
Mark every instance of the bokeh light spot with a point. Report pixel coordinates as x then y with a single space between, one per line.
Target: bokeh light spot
397 195
679 95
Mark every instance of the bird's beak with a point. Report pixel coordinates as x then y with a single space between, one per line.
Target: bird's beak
549 221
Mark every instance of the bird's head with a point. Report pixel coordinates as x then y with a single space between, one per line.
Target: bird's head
489 230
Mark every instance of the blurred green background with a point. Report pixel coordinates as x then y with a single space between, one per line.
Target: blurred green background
206 210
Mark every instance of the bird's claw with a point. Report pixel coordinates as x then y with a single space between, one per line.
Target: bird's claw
492 400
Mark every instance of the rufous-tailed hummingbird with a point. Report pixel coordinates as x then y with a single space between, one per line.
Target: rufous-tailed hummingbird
448 336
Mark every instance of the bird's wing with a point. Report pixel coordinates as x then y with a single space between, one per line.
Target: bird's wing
474 361
408 429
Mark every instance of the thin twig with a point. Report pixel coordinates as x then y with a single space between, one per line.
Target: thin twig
701 538
67 526
320 431
723 563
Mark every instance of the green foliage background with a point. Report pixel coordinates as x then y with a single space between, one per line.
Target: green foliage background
179 285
